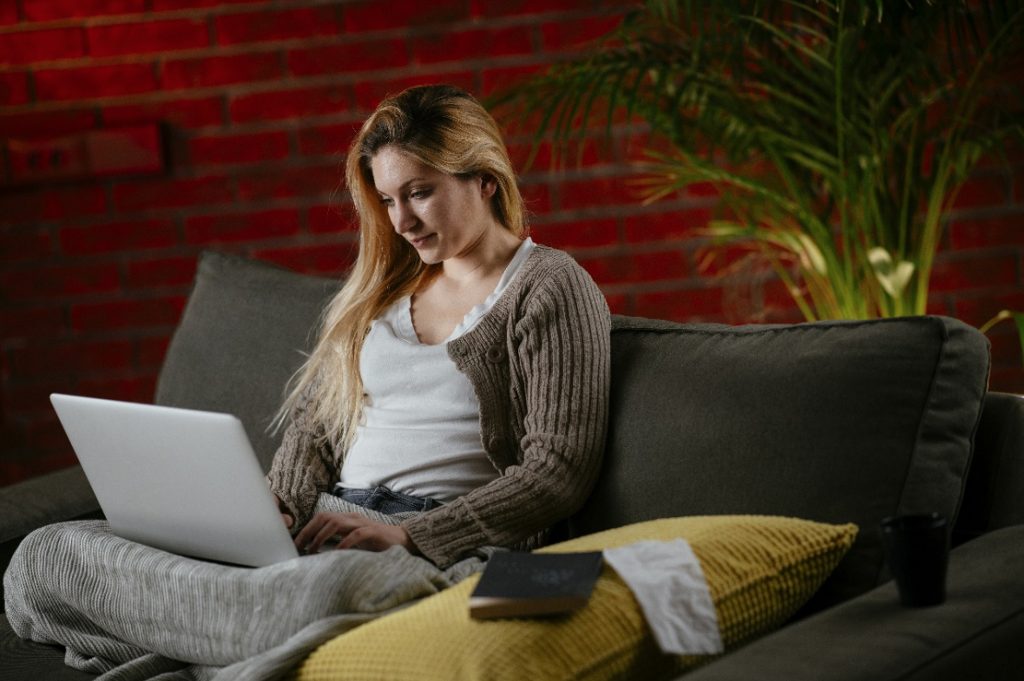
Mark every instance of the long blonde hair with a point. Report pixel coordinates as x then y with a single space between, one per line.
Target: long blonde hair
447 129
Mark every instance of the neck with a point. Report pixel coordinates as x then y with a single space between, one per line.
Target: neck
489 254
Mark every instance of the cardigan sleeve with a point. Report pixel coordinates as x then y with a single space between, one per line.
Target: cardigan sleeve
304 465
562 351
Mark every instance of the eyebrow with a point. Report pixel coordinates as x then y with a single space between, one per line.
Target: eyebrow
405 184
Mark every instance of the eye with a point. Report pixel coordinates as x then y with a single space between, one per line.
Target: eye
419 193
387 201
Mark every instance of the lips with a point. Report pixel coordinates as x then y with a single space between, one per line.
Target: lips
422 241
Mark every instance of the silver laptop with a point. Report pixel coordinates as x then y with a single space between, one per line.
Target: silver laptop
180 480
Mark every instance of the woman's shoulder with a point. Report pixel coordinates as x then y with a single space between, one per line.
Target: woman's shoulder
551 273
545 261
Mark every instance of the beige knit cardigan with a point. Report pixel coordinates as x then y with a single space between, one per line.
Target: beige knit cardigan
539 364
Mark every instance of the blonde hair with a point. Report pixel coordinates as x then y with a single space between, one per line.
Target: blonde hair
442 127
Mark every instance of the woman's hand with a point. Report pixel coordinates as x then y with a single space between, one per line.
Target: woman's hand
355 532
286 515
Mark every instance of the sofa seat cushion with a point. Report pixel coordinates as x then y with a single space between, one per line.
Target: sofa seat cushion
759 570
831 421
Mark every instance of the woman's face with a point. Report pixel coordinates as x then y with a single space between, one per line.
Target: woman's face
441 215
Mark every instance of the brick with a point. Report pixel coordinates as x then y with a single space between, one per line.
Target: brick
30 47
168 5
577 234
326 219
695 304
672 226
46 282
495 79
332 140
245 227
130 389
598 191
370 93
52 204
546 157
274 184
125 314
185 113
147 37
1005 344
367 55
13 88
31 322
42 360
619 303
496 8
49 123
637 267
987 190
150 194
1007 380
702 190
537 197
95 82
52 10
26 244
150 352
949 274
227 149
8 13
1001 230
283 104
471 45
120 236
725 260
303 23
160 273
370 15
976 309
330 259
215 71
577 32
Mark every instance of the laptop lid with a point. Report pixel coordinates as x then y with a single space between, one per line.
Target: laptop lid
180 480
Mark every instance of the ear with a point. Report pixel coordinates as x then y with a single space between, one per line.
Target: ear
488 185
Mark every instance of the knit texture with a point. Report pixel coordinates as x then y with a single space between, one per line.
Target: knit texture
760 570
133 612
539 363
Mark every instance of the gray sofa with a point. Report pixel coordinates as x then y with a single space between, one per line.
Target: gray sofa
834 421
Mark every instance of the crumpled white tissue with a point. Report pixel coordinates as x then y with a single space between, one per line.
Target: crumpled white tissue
668 583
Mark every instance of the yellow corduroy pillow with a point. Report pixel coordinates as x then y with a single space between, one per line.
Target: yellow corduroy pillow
759 569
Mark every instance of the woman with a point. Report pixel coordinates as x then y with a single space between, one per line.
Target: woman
463 370
461 378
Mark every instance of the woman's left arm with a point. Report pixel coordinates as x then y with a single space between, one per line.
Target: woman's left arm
560 374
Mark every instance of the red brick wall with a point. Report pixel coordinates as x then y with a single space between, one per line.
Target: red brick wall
256 99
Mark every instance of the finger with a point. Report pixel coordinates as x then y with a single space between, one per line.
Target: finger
288 520
354 539
326 533
309 531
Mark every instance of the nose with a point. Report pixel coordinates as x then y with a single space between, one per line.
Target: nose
402 217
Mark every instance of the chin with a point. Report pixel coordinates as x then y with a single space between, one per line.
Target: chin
430 257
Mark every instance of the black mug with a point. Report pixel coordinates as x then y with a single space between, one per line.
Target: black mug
917 551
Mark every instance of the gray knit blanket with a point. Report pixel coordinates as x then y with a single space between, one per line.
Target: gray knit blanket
130 612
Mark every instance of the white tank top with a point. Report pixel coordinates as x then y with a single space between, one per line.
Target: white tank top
420 431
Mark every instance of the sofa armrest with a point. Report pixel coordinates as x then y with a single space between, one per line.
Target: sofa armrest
975 634
49 498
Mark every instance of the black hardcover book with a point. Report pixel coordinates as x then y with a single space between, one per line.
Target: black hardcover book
516 584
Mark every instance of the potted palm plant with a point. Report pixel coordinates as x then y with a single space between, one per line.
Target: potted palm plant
837 133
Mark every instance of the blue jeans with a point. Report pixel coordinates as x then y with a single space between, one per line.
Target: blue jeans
384 500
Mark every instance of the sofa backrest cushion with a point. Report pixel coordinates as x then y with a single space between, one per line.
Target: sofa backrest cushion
831 421
241 337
